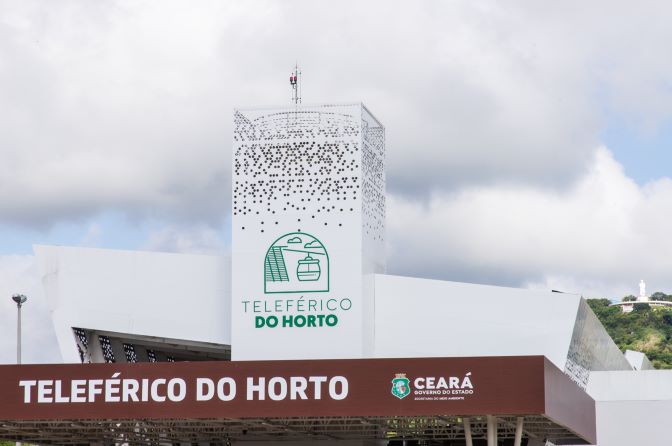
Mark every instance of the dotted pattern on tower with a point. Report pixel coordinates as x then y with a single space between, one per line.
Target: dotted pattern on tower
308 163
373 172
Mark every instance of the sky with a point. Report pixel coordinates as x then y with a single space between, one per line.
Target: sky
531 138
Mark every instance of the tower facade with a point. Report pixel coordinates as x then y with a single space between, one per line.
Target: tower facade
308 230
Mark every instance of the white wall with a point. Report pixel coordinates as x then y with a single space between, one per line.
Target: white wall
644 385
638 360
632 408
177 296
419 317
630 423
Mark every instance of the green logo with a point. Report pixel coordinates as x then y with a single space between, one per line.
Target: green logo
401 387
296 263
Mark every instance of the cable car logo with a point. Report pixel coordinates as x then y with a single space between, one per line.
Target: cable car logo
308 269
296 263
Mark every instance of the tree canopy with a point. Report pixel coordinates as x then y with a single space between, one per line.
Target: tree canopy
646 329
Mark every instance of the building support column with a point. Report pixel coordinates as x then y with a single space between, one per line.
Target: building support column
519 432
492 430
467 431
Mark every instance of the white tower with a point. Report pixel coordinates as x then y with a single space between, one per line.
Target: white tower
308 230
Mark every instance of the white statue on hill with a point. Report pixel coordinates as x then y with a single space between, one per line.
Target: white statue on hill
642 292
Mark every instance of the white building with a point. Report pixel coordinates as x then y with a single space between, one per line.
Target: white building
306 280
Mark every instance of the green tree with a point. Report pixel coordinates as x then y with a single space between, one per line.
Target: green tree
641 307
646 329
661 296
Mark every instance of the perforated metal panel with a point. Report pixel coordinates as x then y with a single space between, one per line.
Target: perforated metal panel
591 348
82 342
106 346
373 181
129 351
151 356
311 163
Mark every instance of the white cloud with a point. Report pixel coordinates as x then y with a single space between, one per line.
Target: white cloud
92 237
600 237
127 106
188 240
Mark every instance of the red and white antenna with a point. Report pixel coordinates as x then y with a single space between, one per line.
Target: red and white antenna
295 82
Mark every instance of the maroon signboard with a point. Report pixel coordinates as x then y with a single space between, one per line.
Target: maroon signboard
366 387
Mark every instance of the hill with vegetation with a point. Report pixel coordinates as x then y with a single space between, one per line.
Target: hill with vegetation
646 329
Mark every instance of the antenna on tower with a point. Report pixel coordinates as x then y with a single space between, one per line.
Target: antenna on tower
295 82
